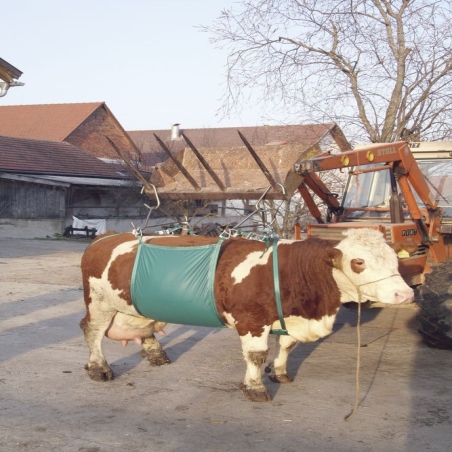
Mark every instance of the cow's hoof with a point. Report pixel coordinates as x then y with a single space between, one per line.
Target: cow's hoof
100 373
283 378
156 358
255 395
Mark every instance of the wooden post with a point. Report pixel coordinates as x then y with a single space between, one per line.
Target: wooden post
204 163
178 164
261 165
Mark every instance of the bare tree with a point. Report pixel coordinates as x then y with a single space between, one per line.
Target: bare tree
381 69
282 215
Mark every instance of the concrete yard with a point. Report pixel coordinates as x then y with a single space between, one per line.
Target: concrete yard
48 403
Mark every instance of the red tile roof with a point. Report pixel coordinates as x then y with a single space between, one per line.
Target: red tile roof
52 122
227 137
18 155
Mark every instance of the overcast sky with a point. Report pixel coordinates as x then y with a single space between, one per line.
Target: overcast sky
144 58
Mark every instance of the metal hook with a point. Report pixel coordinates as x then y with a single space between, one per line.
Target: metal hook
156 195
151 209
258 207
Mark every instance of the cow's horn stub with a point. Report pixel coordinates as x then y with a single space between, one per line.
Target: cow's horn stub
336 256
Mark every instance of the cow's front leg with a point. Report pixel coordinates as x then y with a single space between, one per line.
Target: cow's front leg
153 351
278 371
255 352
94 326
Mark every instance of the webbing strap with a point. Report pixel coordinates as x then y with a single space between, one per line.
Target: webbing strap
103 238
282 330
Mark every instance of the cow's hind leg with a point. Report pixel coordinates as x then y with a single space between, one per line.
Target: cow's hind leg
94 328
153 351
255 352
277 372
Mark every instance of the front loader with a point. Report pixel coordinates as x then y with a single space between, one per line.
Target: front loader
404 191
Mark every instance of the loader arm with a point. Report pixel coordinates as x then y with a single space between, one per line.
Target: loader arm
396 157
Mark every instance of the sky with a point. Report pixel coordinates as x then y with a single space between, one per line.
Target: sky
144 58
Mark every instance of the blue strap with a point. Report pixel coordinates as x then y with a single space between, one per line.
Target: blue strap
282 330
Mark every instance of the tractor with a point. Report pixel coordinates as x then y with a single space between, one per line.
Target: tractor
405 191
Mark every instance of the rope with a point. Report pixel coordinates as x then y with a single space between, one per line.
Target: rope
358 354
358 361
102 238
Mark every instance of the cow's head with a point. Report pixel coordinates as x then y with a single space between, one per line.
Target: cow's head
367 269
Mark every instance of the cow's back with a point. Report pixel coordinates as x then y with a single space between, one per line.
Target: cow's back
100 254
112 255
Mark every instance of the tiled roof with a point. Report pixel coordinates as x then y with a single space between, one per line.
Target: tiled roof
52 122
228 137
18 155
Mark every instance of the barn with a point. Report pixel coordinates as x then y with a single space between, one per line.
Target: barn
45 184
104 190
56 164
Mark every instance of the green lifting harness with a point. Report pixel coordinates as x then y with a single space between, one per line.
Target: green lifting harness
283 330
176 284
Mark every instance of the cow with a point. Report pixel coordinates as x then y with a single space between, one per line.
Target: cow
315 277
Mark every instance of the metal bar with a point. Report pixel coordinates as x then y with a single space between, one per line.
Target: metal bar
374 169
148 186
310 203
187 175
321 190
395 204
204 163
263 168
258 209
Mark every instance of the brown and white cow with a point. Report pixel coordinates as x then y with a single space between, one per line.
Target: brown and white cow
315 275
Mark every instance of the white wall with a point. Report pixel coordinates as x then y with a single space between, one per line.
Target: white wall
30 229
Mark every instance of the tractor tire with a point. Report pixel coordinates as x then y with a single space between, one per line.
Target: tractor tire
435 302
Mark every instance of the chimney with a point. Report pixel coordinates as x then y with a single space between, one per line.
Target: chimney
175 133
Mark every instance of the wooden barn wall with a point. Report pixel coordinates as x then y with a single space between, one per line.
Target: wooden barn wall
25 200
86 202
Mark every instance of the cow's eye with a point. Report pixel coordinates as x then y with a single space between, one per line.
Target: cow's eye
358 265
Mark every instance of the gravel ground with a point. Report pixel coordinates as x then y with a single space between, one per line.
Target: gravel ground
49 404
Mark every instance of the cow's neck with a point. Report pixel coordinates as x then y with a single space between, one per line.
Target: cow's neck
348 290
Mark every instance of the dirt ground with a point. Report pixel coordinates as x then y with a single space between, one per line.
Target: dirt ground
49 404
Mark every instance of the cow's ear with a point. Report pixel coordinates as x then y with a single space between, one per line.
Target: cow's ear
336 258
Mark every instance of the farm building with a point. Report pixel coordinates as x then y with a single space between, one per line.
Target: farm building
84 125
44 184
223 189
56 164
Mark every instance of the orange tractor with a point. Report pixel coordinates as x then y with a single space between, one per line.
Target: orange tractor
405 191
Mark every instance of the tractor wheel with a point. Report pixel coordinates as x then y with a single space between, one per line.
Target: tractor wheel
435 301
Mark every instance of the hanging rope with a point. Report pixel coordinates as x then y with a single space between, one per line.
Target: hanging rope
358 355
358 361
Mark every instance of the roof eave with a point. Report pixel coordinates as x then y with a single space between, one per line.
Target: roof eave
62 174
